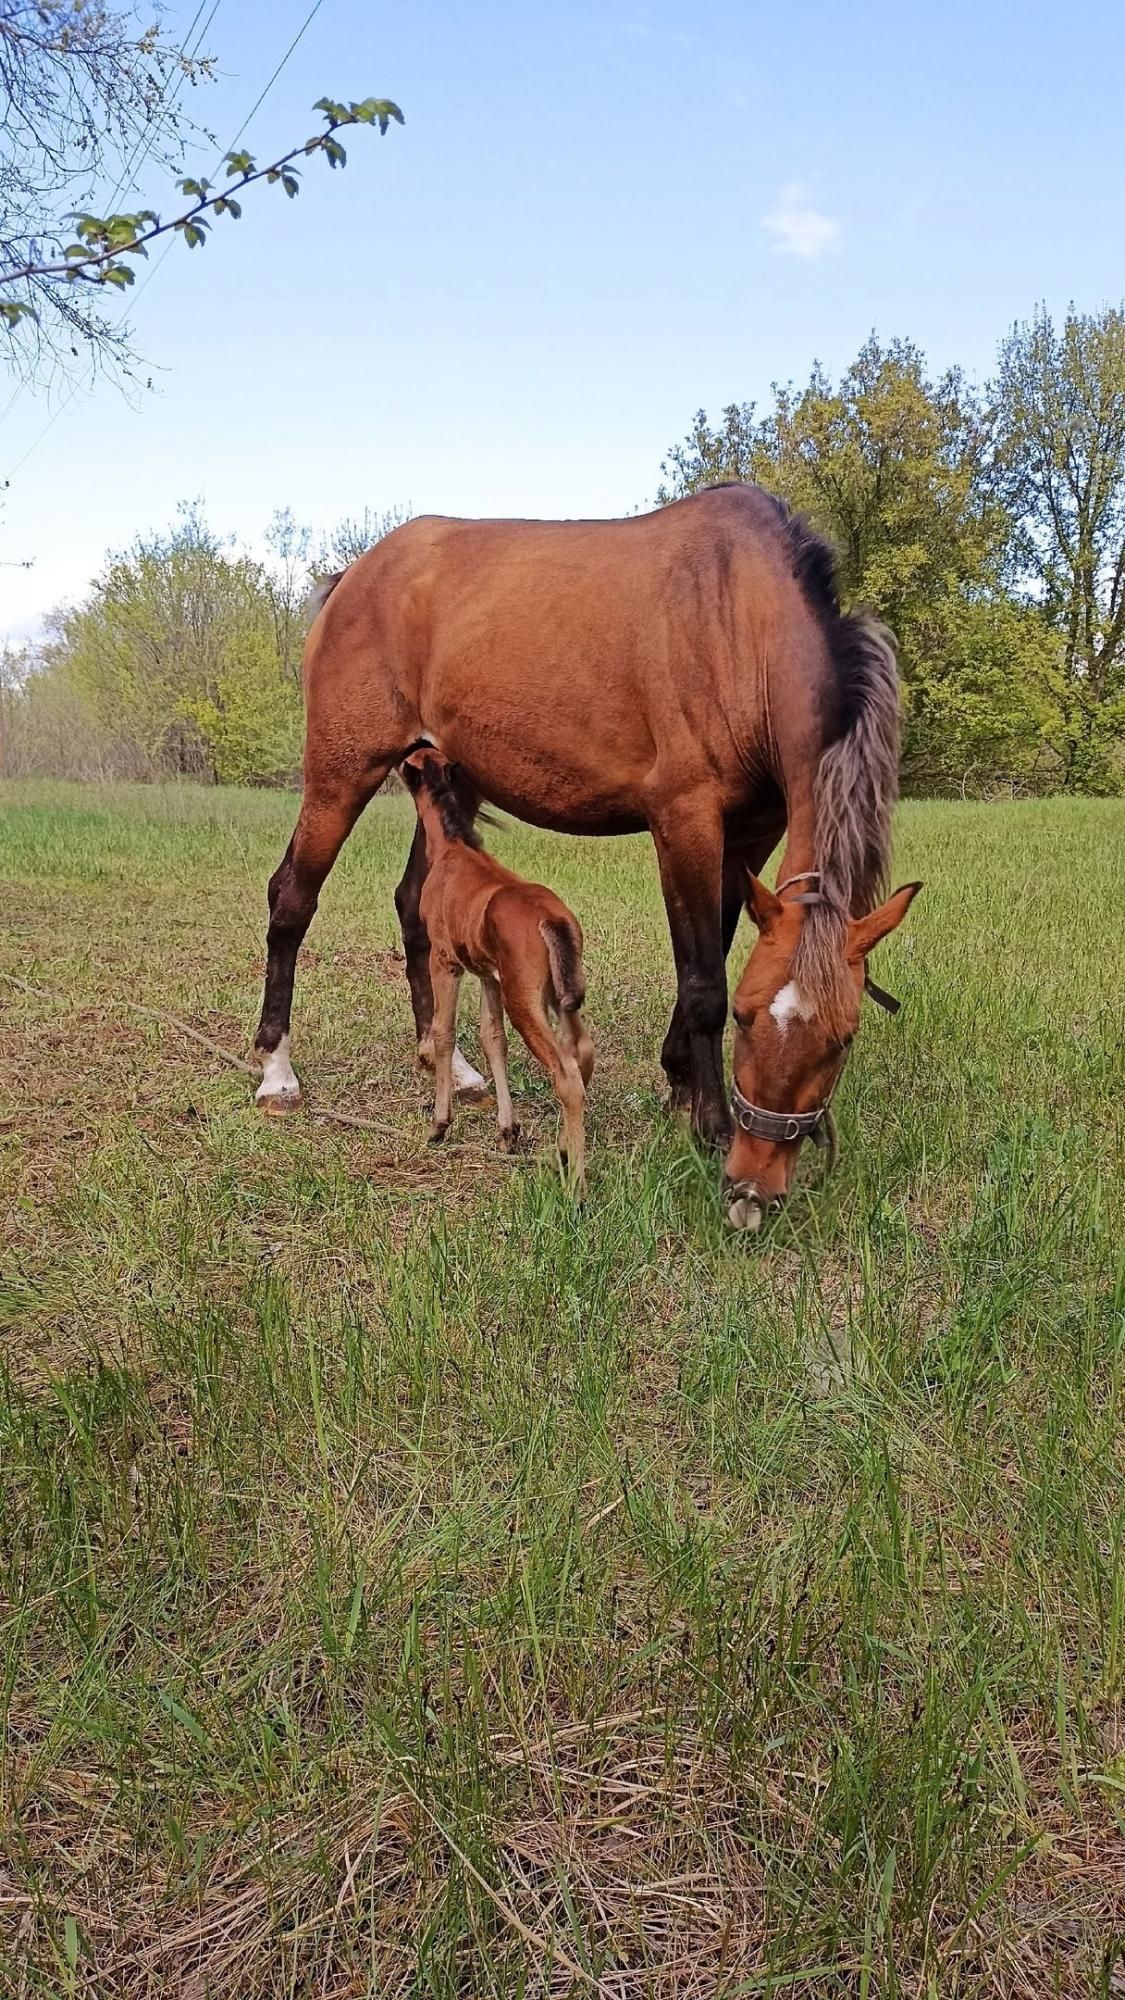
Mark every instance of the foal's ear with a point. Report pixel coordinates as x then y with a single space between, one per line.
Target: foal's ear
762 904
864 933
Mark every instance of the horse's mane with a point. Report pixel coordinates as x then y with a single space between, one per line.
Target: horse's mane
856 782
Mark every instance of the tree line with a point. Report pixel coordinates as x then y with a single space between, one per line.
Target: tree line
984 523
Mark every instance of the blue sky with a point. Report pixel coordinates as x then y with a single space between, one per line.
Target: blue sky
597 218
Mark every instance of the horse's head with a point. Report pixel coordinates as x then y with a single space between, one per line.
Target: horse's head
796 1010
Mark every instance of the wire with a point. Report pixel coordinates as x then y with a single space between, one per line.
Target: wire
150 275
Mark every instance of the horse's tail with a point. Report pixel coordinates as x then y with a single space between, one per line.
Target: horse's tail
323 592
563 940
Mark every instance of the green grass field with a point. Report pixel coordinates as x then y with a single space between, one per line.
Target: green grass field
409 1587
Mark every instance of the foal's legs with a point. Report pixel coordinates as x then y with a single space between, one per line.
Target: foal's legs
326 818
530 1019
574 1035
447 987
416 945
495 1045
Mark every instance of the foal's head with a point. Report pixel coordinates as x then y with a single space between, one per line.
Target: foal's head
796 1010
441 787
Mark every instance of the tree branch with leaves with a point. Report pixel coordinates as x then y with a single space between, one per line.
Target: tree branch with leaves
91 98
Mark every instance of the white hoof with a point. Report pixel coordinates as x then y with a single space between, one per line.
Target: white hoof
467 1081
279 1090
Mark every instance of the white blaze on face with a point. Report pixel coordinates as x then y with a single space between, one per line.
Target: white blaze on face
278 1076
791 1004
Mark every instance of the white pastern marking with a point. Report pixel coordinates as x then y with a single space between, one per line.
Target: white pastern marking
278 1078
791 1004
465 1077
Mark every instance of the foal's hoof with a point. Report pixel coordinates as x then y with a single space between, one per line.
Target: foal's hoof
436 1134
509 1138
277 1103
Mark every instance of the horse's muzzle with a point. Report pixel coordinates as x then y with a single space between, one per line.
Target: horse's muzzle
747 1206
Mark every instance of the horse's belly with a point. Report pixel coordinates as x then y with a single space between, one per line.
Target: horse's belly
554 754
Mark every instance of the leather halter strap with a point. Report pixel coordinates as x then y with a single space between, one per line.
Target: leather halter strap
780 1126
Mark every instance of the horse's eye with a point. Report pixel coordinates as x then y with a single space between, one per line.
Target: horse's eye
741 1020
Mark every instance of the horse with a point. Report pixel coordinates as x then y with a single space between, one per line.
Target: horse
687 671
525 948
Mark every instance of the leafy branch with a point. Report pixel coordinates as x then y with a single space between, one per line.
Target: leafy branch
103 243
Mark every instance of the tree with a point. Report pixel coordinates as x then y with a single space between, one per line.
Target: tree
90 93
898 471
353 537
175 654
1061 401
184 660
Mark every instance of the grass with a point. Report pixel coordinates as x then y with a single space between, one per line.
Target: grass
409 1588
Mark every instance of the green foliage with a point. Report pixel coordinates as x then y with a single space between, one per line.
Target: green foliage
912 479
251 720
183 661
1061 403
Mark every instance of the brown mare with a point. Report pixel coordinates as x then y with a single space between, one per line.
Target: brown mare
524 946
688 671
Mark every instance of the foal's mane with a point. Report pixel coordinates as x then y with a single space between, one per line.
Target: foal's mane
457 807
856 780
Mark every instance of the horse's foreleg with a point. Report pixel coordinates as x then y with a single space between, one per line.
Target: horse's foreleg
675 1056
689 849
323 824
467 1081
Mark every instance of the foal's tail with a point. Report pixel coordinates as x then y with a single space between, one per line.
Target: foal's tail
564 949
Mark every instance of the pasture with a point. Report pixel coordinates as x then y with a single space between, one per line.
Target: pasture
410 1587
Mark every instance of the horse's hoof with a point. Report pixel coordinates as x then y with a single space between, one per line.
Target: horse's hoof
436 1134
277 1103
509 1137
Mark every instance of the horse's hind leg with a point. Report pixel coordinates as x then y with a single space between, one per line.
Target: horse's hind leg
325 820
494 1042
467 1081
530 1020
574 1035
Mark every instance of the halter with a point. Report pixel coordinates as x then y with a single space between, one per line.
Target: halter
783 1127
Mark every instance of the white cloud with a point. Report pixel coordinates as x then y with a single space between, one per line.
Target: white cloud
798 227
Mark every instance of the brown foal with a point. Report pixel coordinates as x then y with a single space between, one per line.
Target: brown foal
524 946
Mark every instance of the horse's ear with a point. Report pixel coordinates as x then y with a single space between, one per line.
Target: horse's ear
762 904
864 933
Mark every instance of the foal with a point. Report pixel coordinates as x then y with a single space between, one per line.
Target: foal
525 948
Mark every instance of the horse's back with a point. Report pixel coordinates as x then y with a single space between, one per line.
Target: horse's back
566 662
